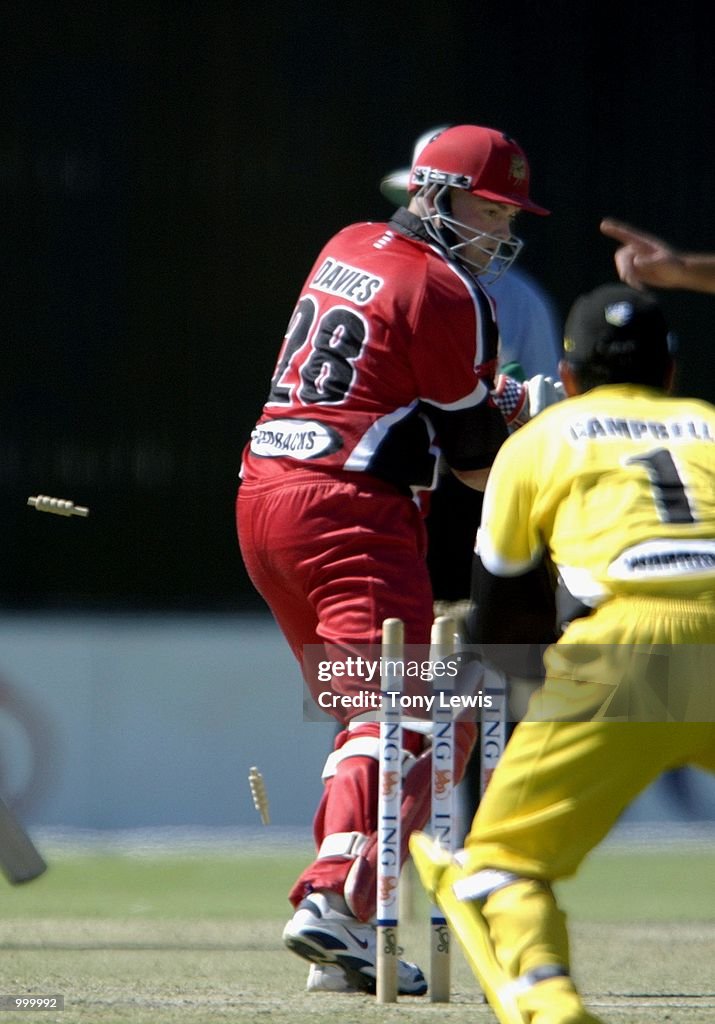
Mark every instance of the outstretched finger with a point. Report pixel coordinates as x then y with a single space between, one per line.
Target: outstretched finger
623 232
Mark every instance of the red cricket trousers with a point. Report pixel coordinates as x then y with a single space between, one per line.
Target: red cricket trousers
334 554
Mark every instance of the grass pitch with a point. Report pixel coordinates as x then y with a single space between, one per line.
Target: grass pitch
195 938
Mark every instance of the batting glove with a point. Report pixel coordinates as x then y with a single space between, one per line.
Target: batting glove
520 401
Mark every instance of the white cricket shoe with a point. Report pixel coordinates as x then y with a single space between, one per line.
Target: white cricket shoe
326 936
327 978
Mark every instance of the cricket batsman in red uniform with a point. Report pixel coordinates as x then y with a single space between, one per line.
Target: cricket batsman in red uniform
388 362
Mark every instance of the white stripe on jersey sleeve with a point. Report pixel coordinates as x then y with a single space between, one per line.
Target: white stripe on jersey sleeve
476 397
497 564
373 437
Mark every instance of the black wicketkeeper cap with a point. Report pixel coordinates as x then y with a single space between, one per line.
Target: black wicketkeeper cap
615 324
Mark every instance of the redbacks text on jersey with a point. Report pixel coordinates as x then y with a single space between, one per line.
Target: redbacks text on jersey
389 356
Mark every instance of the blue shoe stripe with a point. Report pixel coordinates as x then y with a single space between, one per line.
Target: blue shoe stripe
324 939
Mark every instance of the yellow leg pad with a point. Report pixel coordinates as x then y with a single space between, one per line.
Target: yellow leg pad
555 1000
526 927
438 872
431 861
519 929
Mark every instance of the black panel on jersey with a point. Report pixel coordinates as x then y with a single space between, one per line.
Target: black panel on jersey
469 438
404 457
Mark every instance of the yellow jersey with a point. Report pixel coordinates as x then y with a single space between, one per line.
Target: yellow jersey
618 486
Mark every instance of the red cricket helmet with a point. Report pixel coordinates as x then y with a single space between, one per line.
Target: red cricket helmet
482 161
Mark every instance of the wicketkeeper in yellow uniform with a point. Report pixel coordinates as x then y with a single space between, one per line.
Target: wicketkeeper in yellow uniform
615 489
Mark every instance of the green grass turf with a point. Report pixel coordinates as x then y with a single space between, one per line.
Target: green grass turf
171 886
623 887
618 887
187 939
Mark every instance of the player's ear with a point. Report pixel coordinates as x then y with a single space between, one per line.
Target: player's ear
569 379
423 203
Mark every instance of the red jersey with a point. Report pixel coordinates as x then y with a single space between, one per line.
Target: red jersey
389 357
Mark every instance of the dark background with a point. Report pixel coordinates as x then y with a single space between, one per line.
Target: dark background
168 177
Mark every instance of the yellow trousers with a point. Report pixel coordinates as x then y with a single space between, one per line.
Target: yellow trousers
635 685
561 785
